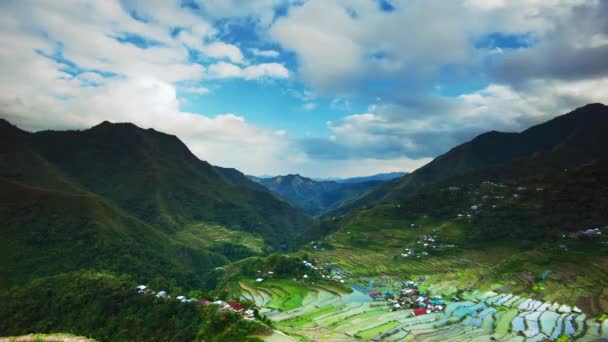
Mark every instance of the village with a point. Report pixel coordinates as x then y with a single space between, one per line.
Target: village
233 306
410 297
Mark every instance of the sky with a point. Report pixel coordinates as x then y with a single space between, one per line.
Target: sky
323 88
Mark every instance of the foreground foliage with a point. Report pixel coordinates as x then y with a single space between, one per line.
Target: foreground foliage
106 307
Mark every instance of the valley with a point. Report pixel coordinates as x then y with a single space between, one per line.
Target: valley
479 244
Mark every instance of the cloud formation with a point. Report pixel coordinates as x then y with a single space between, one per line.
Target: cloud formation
373 86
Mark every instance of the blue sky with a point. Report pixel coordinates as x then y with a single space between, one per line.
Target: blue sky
325 88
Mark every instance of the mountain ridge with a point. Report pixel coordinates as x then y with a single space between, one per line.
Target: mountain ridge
314 197
568 139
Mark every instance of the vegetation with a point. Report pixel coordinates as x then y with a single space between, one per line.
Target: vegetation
106 307
152 176
46 232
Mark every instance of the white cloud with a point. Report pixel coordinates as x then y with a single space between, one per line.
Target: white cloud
265 70
195 90
223 50
342 53
228 70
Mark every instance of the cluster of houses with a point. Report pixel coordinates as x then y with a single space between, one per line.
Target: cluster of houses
325 274
424 243
591 231
231 306
259 280
585 233
410 297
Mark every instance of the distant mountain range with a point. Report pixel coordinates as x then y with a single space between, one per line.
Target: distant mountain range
376 177
122 198
568 140
314 196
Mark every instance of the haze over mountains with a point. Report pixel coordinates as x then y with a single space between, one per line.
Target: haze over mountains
314 196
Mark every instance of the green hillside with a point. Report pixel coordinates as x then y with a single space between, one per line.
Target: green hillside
315 197
522 237
565 141
106 307
156 178
45 232
123 199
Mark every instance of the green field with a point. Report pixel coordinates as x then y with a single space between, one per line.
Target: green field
209 235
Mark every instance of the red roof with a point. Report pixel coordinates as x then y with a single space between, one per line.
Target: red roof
236 306
374 293
419 312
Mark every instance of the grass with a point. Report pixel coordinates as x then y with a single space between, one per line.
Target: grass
208 235
379 330
307 320
286 295
46 338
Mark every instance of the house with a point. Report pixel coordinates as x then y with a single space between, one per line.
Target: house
141 288
259 280
249 313
236 307
376 295
270 273
181 299
162 294
305 276
419 312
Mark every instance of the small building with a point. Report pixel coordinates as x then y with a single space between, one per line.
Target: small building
162 294
259 280
249 313
419 312
141 288
236 307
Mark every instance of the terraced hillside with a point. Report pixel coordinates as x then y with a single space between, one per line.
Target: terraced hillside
327 315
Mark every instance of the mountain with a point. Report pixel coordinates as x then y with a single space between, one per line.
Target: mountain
565 141
120 198
312 196
156 178
377 177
